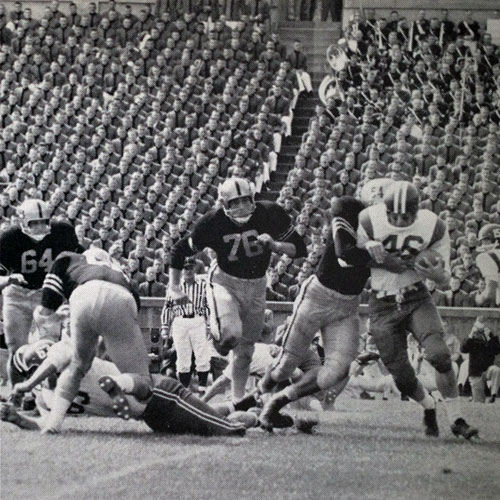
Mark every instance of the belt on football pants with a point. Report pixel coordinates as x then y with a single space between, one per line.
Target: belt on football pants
398 296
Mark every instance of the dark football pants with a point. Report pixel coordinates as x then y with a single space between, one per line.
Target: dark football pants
176 410
390 325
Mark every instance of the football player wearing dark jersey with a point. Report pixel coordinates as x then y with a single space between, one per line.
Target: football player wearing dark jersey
26 254
243 233
102 302
328 302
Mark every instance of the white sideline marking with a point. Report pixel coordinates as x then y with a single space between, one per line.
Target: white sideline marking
87 486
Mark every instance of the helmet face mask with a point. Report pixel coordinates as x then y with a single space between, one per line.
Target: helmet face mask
35 219
237 197
401 200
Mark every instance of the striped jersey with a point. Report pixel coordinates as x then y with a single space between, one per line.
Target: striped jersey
71 270
428 231
197 294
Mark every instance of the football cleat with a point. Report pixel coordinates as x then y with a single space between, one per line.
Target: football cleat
271 416
34 218
461 428
430 423
246 403
306 425
8 413
329 399
121 405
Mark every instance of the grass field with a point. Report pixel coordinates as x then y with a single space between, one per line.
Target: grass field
362 450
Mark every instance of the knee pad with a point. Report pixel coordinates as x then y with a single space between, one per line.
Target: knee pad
441 361
285 366
404 376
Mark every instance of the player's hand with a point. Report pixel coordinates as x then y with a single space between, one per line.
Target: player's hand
19 389
178 296
376 250
267 241
394 264
17 279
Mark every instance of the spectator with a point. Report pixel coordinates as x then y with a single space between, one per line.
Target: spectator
482 345
151 287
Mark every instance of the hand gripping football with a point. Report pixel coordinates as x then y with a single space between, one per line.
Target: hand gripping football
429 258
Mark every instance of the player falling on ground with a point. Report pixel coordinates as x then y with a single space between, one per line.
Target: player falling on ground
401 302
167 408
328 302
26 255
102 302
488 262
243 234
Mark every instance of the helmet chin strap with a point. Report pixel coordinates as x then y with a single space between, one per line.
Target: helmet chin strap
242 220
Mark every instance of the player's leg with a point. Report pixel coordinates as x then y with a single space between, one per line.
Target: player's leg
173 408
340 341
182 342
115 318
17 320
202 351
84 344
225 322
426 326
388 326
251 301
307 319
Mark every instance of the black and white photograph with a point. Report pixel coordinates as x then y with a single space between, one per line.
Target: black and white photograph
250 250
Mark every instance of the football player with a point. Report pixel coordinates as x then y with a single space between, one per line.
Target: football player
328 302
488 262
26 254
401 301
102 302
169 407
243 233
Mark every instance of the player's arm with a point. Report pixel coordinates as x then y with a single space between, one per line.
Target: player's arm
55 362
282 237
186 247
52 289
12 279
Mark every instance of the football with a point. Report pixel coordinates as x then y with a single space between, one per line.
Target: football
429 257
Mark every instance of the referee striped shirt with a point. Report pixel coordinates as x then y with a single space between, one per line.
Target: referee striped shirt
197 294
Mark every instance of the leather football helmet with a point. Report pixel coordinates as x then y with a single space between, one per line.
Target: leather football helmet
34 216
489 237
236 188
401 200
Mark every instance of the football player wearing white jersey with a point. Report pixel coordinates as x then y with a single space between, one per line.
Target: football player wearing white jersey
400 301
167 407
488 262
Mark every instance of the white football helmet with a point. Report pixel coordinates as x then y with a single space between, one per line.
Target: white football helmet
401 199
236 188
34 216
489 237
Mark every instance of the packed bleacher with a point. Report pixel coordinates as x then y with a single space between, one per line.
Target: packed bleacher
414 101
126 124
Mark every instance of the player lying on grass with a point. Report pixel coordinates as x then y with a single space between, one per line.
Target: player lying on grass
168 407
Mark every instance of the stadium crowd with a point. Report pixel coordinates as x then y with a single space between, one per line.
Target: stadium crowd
127 124
417 102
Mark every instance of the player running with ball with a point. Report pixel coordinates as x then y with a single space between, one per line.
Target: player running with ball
400 301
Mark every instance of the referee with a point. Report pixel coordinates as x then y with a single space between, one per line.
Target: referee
187 325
